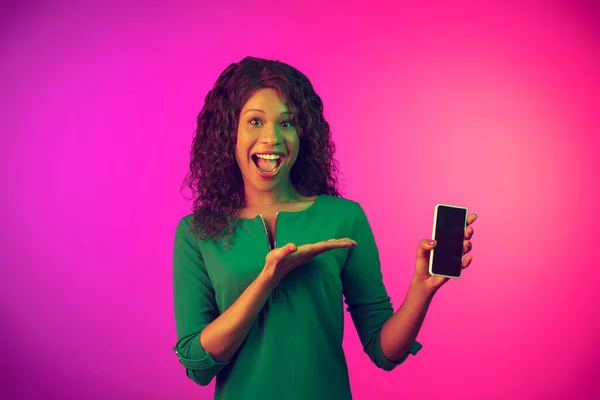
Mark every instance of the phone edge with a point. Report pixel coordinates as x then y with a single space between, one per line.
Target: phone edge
433 237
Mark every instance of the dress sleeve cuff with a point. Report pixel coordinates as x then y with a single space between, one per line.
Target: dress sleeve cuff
389 365
198 358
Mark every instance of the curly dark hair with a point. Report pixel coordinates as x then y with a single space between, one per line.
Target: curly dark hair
214 176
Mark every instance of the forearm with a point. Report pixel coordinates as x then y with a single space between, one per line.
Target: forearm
223 336
400 331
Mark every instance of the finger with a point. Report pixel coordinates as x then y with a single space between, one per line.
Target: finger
425 246
471 218
337 243
469 232
281 252
467 261
321 247
341 240
467 246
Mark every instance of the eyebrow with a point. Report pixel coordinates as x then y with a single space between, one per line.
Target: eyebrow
261 111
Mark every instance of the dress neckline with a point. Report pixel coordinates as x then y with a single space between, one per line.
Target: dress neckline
298 212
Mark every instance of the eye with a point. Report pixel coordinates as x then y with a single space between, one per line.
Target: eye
287 124
255 121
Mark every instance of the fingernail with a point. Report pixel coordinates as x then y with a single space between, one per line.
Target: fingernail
474 217
432 242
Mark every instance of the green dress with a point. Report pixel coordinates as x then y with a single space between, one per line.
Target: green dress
294 349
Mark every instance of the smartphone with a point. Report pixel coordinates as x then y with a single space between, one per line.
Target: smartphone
449 223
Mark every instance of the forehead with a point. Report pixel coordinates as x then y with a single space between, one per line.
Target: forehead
267 100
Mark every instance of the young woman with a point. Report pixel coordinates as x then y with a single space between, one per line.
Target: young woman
263 265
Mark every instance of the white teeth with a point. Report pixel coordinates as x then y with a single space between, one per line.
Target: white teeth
268 156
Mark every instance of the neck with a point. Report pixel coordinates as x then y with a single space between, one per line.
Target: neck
256 198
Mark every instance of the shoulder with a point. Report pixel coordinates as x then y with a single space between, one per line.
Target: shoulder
340 205
345 213
184 224
186 220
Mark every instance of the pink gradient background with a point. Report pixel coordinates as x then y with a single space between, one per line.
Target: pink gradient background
493 107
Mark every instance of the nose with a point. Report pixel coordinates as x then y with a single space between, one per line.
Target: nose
271 135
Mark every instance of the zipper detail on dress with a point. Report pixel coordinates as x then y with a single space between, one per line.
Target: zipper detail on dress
274 243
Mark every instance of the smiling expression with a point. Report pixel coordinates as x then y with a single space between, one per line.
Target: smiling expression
266 131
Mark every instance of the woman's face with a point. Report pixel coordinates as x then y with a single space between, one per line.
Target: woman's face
267 143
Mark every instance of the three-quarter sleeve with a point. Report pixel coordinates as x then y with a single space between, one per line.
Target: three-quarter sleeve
195 306
365 294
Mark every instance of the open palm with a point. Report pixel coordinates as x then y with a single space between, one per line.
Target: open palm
285 259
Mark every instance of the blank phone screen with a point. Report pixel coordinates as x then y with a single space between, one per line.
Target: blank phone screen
449 234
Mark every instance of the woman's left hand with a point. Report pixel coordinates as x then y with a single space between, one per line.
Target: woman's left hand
422 276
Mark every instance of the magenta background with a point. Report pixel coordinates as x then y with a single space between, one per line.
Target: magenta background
492 107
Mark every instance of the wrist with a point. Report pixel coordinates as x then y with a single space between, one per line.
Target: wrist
269 277
421 288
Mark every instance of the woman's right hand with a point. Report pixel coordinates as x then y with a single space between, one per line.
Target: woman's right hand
284 259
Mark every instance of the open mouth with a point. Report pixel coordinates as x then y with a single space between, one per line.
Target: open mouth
267 164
